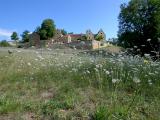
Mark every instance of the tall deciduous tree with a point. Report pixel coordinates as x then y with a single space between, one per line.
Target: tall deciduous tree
14 36
25 36
139 25
47 29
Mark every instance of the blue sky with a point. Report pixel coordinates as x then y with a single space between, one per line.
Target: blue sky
73 15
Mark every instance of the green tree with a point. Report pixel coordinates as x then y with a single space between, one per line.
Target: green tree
14 36
37 30
99 37
70 33
47 29
139 25
83 37
64 32
43 34
25 36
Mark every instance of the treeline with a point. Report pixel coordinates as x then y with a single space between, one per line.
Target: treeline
4 43
46 31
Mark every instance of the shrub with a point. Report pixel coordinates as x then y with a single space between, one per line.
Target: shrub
4 43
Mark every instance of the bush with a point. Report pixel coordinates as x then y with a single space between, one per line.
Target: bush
4 43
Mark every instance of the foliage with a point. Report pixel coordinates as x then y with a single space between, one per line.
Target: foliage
7 106
64 32
47 29
84 37
113 41
100 113
49 107
25 36
71 33
139 25
4 43
43 34
99 37
37 30
14 36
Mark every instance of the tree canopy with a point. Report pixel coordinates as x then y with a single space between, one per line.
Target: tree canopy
64 32
14 36
47 29
99 37
139 25
25 36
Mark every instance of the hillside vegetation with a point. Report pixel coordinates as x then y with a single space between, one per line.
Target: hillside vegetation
66 84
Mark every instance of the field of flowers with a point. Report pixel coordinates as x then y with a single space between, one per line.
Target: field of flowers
78 85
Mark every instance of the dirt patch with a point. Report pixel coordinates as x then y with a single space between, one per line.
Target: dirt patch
46 95
29 116
8 116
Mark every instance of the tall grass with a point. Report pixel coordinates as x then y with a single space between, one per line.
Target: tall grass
67 85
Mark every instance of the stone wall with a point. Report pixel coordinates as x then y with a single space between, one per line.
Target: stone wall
88 44
34 40
96 44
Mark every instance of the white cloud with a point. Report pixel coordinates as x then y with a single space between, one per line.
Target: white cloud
5 33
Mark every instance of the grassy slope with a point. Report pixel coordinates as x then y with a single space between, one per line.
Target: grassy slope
54 85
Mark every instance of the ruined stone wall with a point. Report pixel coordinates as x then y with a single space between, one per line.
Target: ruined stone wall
96 44
34 40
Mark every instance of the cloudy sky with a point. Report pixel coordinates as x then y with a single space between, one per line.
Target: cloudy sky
73 15
5 34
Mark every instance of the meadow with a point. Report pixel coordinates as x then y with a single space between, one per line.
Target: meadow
78 85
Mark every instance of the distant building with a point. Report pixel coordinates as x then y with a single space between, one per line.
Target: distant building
72 37
80 41
101 34
89 35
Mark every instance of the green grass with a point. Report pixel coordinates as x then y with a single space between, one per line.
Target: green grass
53 85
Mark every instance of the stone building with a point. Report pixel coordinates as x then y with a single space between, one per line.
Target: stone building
74 37
89 35
101 35
80 41
58 34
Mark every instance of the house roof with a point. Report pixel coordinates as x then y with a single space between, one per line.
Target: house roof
74 35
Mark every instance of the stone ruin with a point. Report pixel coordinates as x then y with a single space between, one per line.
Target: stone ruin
34 40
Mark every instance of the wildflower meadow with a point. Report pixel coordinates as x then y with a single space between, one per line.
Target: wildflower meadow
78 85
